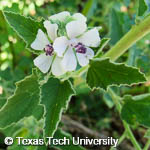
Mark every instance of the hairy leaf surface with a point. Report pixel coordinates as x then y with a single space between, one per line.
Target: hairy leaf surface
103 73
137 109
23 103
25 27
55 96
142 7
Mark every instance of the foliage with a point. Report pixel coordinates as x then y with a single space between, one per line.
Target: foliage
33 104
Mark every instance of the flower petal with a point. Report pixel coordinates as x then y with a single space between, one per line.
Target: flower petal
57 68
60 45
60 16
89 53
75 28
80 17
82 59
51 29
40 42
43 62
90 38
69 61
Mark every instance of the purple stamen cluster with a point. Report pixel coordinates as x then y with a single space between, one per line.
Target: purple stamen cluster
49 50
80 48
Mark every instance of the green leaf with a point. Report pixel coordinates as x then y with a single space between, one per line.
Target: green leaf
108 100
55 96
3 30
25 27
60 135
116 29
23 103
133 54
143 62
142 7
103 43
13 8
6 74
80 86
136 109
2 101
90 8
103 73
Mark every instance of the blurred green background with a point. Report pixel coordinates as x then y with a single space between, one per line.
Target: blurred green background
93 110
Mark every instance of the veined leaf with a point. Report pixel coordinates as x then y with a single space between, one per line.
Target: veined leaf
103 73
116 29
142 7
55 96
137 109
2 101
23 103
25 27
90 8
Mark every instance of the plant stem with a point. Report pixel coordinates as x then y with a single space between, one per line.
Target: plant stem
131 136
116 99
136 33
77 73
120 139
147 145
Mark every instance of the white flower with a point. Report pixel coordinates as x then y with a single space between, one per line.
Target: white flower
63 15
46 60
76 48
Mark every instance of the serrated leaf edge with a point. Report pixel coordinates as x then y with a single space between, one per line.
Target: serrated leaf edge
62 109
119 64
17 84
30 49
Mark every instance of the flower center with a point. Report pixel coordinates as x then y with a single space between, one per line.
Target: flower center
80 48
49 50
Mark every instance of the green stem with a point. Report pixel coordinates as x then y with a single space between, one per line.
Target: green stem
75 74
131 136
116 100
120 139
136 33
147 145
